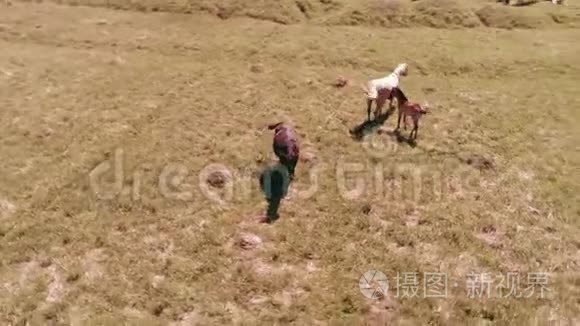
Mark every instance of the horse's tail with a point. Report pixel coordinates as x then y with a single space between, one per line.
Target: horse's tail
364 88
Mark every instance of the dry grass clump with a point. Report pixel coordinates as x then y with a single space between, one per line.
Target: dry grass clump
383 13
444 14
512 17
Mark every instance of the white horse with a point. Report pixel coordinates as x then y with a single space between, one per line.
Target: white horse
379 90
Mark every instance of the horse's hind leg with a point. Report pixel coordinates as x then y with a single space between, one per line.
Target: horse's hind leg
380 103
398 120
391 107
415 130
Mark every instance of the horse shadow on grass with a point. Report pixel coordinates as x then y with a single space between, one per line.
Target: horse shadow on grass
274 183
370 126
396 135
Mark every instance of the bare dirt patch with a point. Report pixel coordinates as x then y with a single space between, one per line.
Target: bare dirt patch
6 208
491 236
187 319
413 219
248 241
382 312
217 179
480 162
94 264
57 288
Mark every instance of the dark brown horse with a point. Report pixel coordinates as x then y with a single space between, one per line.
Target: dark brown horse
286 146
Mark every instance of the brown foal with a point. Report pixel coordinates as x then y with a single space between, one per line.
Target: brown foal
407 108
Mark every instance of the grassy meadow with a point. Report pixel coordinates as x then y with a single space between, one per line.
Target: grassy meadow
112 114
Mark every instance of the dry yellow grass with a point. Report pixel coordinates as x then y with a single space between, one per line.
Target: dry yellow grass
163 92
385 13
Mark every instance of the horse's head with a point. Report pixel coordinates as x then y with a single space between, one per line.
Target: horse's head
275 125
398 94
402 69
425 108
